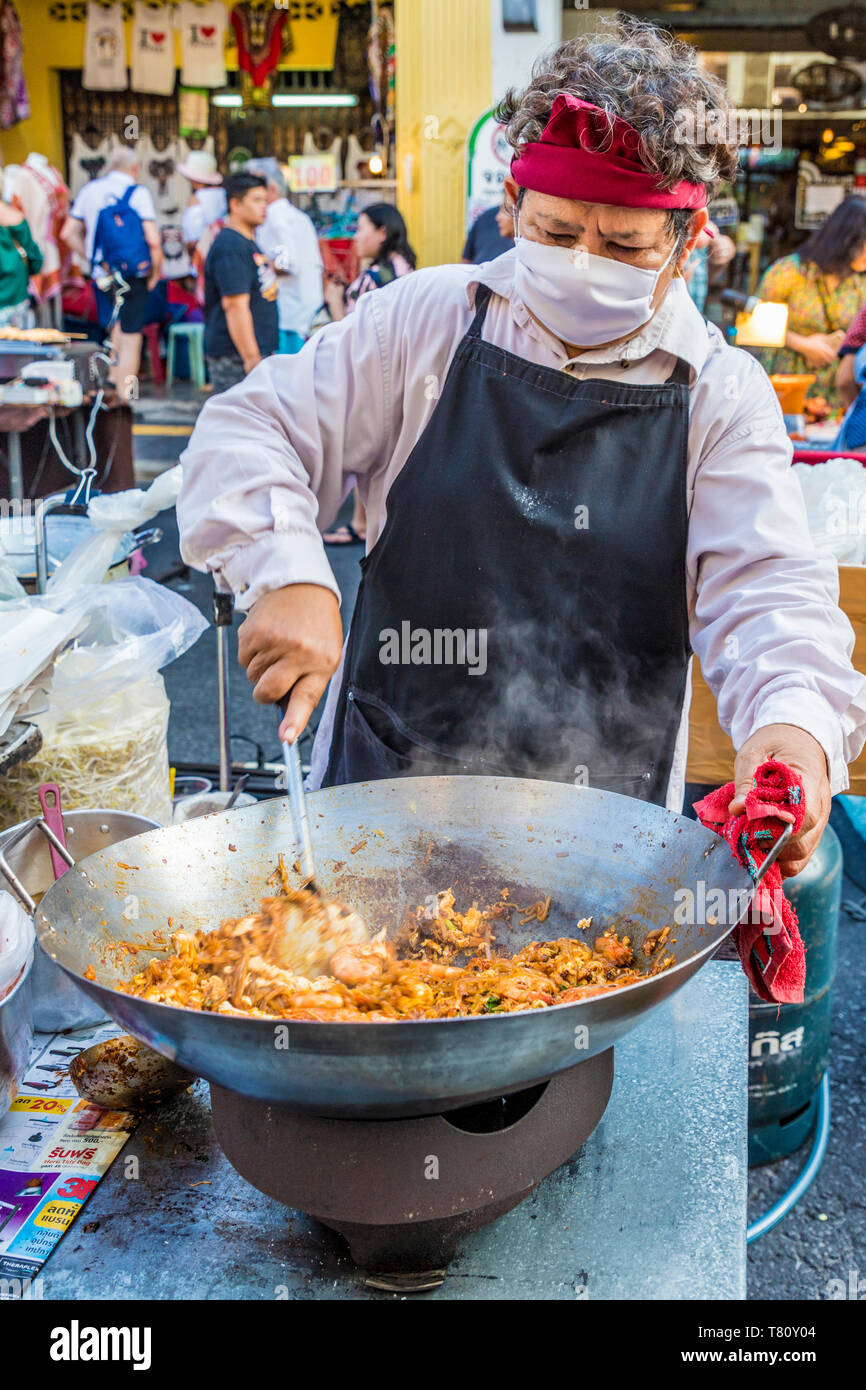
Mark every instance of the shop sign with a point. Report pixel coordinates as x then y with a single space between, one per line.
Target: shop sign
488 160
313 173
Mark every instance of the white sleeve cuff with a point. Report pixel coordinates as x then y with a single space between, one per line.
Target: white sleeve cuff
808 710
272 562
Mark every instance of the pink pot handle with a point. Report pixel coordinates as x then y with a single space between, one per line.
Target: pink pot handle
52 814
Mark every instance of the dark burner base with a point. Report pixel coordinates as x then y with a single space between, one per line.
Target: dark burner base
403 1193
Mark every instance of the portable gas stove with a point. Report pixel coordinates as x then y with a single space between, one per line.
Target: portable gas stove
403 1192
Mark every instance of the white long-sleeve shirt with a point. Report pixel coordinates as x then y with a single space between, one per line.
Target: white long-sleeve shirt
270 462
289 238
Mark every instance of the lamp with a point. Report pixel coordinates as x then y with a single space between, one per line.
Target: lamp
313 99
759 322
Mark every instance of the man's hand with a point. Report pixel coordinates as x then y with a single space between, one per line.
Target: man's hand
250 362
290 644
805 756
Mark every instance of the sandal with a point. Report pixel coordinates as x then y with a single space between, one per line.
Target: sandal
344 535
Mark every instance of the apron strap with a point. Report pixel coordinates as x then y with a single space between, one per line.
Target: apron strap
681 374
482 299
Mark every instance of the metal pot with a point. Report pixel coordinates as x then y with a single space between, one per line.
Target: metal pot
16 1034
57 1002
63 532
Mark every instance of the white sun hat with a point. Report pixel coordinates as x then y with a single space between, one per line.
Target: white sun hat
200 167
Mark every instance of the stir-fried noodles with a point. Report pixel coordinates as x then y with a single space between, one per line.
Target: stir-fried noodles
441 964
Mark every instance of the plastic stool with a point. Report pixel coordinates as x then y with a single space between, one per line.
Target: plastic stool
150 333
194 334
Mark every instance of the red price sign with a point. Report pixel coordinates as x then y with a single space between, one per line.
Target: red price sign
313 173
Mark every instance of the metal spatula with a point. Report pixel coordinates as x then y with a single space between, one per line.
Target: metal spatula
298 802
311 933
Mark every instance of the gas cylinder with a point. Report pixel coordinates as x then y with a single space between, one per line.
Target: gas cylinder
789 1044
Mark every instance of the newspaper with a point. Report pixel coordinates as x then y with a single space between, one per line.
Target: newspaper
54 1148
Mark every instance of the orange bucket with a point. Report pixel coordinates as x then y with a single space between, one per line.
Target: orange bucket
792 390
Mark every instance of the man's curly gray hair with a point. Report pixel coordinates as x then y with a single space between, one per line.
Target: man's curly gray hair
633 70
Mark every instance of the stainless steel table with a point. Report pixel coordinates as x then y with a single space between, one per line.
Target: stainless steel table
653 1206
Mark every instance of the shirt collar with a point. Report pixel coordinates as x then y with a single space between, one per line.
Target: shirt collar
677 327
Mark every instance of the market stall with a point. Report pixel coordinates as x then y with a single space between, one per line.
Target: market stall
315 90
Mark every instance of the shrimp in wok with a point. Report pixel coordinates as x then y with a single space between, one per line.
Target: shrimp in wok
442 963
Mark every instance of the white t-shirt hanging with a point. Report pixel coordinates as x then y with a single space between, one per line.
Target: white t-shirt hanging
152 50
357 158
175 260
104 50
202 44
157 171
88 162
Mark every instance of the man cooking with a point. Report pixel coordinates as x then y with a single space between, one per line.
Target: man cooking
571 481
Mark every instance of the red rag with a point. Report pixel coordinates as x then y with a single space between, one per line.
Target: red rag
769 944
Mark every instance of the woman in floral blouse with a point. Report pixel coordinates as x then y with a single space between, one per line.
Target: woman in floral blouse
824 287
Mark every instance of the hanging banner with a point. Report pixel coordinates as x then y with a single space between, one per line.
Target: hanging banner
193 104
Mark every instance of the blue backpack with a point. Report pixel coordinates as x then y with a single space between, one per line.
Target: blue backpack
119 241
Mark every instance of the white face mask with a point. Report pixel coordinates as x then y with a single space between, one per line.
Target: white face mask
582 298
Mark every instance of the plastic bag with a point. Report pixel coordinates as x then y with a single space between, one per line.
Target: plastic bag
57 1002
16 942
31 634
110 753
113 514
835 497
104 731
134 627
10 585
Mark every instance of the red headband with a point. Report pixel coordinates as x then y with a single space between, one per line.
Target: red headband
587 155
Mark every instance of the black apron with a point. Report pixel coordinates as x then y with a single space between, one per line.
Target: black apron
523 612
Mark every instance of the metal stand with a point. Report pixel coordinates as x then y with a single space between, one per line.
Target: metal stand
16 475
403 1192
223 609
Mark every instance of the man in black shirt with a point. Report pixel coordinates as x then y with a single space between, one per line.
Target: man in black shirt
240 288
489 236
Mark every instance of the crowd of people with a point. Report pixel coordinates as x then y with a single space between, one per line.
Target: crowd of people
258 283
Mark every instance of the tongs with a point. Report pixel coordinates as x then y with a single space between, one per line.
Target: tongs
51 825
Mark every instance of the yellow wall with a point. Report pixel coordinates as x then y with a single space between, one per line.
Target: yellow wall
51 43
443 86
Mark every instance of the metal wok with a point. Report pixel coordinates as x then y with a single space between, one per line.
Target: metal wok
383 846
